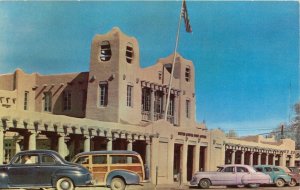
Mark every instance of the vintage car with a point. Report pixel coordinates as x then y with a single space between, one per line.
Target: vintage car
230 175
42 169
294 175
114 169
294 169
277 174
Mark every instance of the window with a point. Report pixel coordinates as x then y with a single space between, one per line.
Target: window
129 53
103 93
187 73
146 99
268 169
47 101
276 170
241 169
26 159
159 75
100 159
187 107
26 96
105 52
124 159
158 102
129 95
171 106
259 169
229 169
47 160
67 100
82 160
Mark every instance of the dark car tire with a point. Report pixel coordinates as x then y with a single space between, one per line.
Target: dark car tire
279 183
293 183
204 183
64 183
117 184
253 185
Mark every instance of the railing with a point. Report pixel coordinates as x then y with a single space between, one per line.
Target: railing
146 115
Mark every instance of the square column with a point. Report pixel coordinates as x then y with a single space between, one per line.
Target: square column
282 161
267 158
259 158
251 158
62 146
243 157
32 141
154 159
171 160
148 155
292 160
152 104
109 143
196 159
233 157
184 162
274 159
1 146
87 143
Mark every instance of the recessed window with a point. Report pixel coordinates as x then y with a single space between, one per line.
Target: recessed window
103 93
47 101
26 96
129 95
187 107
129 53
105 52
67 100
159 75
188 73
146 99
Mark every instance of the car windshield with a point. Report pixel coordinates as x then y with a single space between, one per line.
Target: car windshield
220 169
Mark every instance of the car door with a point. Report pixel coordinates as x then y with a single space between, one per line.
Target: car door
227 176
99 168
240 172
269 171
47 167
22 173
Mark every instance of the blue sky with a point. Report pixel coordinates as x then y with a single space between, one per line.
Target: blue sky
246 54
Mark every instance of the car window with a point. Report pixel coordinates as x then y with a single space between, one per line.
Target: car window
220 169
82 160
268 169
47 160
229 169
124 159
259 169
276 170
100 159
26 159
241 169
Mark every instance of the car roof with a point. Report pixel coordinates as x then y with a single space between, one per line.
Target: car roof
108 152
38 151
234 165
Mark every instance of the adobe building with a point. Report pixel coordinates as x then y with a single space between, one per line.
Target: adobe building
117 105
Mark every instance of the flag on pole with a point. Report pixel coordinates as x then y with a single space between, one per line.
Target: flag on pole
186 18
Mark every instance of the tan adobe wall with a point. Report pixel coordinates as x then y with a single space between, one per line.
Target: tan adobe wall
8 99
76 83
7 82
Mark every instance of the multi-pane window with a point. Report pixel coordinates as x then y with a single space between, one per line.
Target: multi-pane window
188 107
129 53
47 101
105 52
129 95
146 99
171 106
26 96
103 93
187 73
67 100
158 102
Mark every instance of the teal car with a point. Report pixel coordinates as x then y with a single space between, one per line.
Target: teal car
277 174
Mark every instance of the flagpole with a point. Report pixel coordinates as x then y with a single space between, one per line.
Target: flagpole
173 63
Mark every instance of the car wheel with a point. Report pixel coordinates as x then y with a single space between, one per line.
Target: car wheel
117 184
253 185
279 183
64 184
292 183
204 183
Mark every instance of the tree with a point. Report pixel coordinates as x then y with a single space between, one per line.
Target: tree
231 133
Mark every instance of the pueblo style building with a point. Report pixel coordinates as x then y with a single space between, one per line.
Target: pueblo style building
117 105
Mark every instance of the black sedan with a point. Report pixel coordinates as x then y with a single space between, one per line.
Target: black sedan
42 168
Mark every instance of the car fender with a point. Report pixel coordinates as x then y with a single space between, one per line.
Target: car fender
286 178
72 174
129 177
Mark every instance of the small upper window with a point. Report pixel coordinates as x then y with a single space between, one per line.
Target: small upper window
188 73
159 75
105 52
129 53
